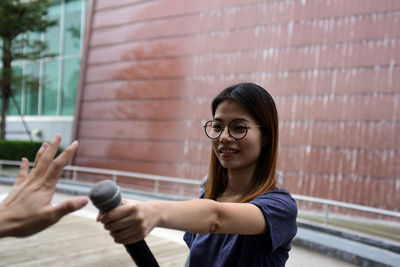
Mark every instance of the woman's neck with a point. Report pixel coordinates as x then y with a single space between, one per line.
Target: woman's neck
238 183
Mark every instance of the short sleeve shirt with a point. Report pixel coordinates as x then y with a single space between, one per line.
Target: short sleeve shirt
268 249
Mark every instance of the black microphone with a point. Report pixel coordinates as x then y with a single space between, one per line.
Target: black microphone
106 196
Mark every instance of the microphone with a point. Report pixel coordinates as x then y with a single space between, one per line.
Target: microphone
106 196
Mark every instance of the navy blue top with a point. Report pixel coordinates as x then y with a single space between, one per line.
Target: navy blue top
269 249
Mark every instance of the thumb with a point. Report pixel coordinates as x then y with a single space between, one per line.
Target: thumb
99 216
69 206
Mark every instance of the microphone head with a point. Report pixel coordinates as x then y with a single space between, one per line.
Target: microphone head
105 195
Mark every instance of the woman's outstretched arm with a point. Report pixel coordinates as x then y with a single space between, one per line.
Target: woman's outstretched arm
134 220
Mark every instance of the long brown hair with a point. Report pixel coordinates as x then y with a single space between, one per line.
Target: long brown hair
261 106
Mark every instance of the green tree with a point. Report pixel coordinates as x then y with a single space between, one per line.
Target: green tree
17 18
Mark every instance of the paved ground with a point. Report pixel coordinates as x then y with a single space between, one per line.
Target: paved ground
78 240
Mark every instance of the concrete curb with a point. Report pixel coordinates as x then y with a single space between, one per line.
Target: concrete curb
354 236
347 246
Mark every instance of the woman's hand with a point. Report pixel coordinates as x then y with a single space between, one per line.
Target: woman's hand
130 222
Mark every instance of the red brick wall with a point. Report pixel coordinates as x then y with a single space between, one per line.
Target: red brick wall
152 67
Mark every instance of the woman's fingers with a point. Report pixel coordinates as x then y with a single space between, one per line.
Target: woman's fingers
125 223
127 208
127 236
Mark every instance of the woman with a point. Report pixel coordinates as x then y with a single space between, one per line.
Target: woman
242 218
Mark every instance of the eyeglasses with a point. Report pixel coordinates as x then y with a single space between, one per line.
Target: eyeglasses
237 129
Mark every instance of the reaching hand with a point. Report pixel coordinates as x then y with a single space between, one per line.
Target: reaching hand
130 222
27 208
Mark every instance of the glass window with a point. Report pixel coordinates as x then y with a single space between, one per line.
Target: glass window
70 84
72 35
32 36
50 88
68 14
52 35
12 110
32 89
1 71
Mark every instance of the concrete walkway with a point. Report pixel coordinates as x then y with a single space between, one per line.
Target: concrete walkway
78 240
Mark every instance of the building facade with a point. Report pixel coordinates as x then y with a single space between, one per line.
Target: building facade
151 69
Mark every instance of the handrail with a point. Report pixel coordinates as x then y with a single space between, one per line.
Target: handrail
158 178
115 174
12 162
132 174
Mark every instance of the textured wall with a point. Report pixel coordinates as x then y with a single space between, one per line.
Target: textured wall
152 68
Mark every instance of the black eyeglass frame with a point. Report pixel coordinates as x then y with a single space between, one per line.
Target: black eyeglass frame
229 131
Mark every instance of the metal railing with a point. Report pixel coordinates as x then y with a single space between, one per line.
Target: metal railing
327 203
114 174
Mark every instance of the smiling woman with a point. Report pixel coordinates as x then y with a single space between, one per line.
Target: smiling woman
238 147
254 106
241 218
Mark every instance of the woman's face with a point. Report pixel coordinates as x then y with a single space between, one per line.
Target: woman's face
234 154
